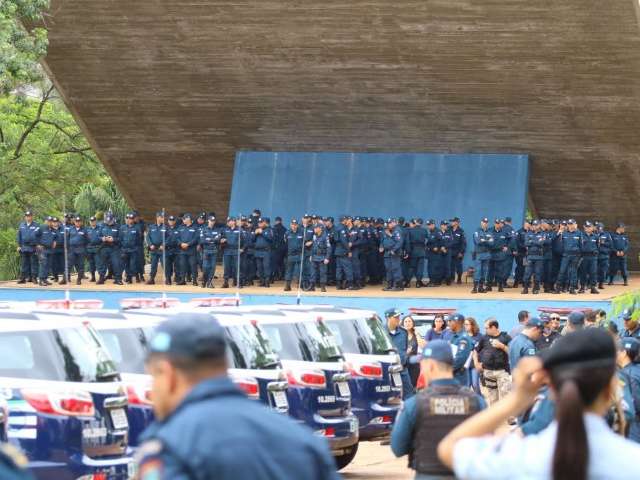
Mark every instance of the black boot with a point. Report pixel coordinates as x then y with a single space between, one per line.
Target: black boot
388 288
418 283
151 281
323 287
129 280
340 285
601 286
63 281
500 287
557 290
100 280
79 280
118 281
594 291
481 288
572 291
525 290
204 284
350 286
459 281
581 290
287 286
22 280
625 281
475 287
93 277
489 288
536 288
33 280
610 281
43 283
225 284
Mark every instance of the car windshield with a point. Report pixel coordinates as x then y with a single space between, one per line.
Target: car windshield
72 354
307 341
361 335
127 347
249 347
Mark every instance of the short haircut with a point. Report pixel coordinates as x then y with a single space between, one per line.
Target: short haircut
523 315
193 368
492 322
591 316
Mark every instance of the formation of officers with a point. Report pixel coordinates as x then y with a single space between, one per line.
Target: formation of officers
317 251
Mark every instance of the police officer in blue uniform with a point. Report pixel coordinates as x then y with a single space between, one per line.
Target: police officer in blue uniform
129 241
344 267
463 346
631 326
13 464
500 255
534 244
307 230
206 427
523 344
571 250
58 261
188 237
556 250
618 261
519 252
400 341
201 223
445 253
231 240
209 241
78 240
28 237
279 250
46 246
589 265
428 416
109 250
293 238
458 249
628 355
547 256
156 240
141 225
391 247
172 248
320 252
434 244
417 237
263 242
482 243
93 246
605 245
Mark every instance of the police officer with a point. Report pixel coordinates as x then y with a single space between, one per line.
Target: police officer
188 237
293 239
605 245
400 341
307 230
458 248
156 240
445 253
519 252
93 246
434 244
631 326
201 223
172 248
206 426
263 242
13 464
329 227
356 247
78 240
57 262
523 344
417 237
320 251
344 267
109 250
556 250
210 237
231 240
500 254
483 243
28 237
547 256
391 247
628 354
46 246
534 245
140 224
129 241
589 265
619 254
279 250
463 347
428 416
571 249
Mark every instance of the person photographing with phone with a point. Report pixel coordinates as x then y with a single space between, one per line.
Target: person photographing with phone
578 445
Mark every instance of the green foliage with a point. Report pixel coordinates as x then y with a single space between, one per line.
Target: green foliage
630 300
9 258
97 199
21 49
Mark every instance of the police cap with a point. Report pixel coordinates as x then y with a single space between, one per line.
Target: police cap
329 219
319 225
343 218
189 335
78 218
626 314
243 218
571 221
172 218
497 220
507 219
444 222
160 214
401 220
68 215
392 312
186 215
590 347
379 220
93 219
563 222
294 220
576 318
588 224
212 218
202 215
266 219
49 218
278 219
306 215
231 219
631 346
261 220
431 221
438 350
391 220
455 219
419 221
55 219
108 216
456 317
621 225
534 322
314 217
28 213
130 215
484 220
535 222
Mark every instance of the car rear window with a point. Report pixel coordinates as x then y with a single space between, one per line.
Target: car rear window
127 347
71 354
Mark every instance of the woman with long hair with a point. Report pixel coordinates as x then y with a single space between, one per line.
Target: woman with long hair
472 330
439 331
578 445
415 344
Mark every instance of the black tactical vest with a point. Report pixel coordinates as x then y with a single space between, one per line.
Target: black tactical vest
440 408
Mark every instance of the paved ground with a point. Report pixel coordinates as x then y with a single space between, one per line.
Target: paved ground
376 461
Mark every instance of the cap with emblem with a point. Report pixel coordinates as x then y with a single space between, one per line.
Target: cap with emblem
534 322
130 216
438 350
212 218
392 312
626 314
391 220
160 214
571 221
631 346
588 224
93 219
294 221
28 213
590 347
189 335
621 225
49 218
172 218
576 318
78 218
278 219
55 219
444 222
484 220
507 219
535 222
455 219
431 221
456 317
186 215
202 215
306 215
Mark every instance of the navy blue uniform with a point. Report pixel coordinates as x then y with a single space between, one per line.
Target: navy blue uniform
400 342
534 244
172 253
48 237
605 245
142 227
212 430
187 258
156 240
392 246
618 261
209 242
110 252
78 241
129 243
589 265
344 267
434 265
262 244
293 241
233 237
464 346
571 250
500 257
483 243
279 251
93 248
417 237
320 252
28 237
445 256
519 251
458 249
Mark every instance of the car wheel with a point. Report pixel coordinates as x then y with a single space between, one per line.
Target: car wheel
346 458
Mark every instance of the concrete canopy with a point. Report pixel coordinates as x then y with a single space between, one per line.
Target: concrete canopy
168 90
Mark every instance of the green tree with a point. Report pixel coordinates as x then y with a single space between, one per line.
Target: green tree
99 198
21 48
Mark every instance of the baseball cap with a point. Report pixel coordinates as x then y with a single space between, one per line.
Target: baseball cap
189 335
392 312
212 217
571 221
587 347
455 219
431 221
631 345
534 322
621 225
507 219
444 222
93 219
484 220
172 218
159 213
626 314
186 215
130 215
391 220
28 213
588 224
576 318
78 218
535 222
438 350
294 220
456 317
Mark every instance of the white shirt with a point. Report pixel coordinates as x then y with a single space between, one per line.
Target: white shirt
513 457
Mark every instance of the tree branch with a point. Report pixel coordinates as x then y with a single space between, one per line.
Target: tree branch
25 134
72 150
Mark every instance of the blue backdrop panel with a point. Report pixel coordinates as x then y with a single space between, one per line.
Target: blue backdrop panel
427 185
